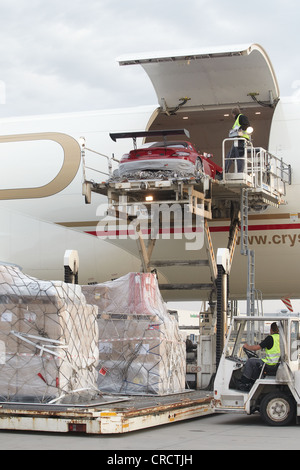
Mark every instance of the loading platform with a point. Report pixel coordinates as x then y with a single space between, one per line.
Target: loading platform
190 202
111 415
264 175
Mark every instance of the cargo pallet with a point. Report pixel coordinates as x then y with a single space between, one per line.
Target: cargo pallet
111 416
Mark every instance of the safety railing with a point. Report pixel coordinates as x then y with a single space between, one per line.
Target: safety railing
85 167
254 166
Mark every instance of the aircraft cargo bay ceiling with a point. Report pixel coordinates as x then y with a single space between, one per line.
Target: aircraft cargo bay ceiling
196 90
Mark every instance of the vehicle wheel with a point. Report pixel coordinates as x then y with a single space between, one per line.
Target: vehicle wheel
198 166
277 409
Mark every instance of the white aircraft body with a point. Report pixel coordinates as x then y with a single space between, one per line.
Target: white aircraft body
43 211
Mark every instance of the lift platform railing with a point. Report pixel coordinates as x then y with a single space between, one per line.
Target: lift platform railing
85 167
256 167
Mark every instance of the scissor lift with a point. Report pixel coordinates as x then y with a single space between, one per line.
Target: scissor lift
261 184
264 179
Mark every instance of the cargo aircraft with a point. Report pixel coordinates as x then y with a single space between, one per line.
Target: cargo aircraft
43 211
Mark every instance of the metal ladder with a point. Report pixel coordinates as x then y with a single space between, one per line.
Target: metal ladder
251 291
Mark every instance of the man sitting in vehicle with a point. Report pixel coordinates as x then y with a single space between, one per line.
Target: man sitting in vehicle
253 366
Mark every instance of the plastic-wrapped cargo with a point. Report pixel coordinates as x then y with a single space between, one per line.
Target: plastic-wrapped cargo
141 350
48 340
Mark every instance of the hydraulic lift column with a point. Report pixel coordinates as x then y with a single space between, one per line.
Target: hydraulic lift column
223 267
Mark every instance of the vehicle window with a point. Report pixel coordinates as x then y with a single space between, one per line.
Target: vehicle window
156 144
168 144
145 146
176 146
294 341
236 340
251 332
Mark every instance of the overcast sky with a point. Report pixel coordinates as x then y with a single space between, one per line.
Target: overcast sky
60 55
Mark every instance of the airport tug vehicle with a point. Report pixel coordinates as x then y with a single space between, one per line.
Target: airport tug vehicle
276 392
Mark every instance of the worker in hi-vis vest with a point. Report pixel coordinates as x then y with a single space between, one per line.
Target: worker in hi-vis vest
241 124
253 366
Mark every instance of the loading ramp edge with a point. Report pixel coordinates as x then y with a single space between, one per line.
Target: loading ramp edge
139 412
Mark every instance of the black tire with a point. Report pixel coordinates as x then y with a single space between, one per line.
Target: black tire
278 409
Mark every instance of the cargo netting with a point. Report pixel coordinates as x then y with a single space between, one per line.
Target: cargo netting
141 349
48 341
65 343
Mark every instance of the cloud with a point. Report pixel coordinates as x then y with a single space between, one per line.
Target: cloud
60 56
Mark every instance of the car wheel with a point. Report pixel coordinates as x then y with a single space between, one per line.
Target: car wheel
277 409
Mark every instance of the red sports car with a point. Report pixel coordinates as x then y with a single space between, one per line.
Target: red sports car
174 156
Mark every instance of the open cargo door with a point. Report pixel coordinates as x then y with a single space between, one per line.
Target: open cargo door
202 86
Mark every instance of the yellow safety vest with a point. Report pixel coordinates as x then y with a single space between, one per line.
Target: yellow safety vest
273 354
236 125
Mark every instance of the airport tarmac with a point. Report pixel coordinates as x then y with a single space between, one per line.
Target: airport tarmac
213 432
